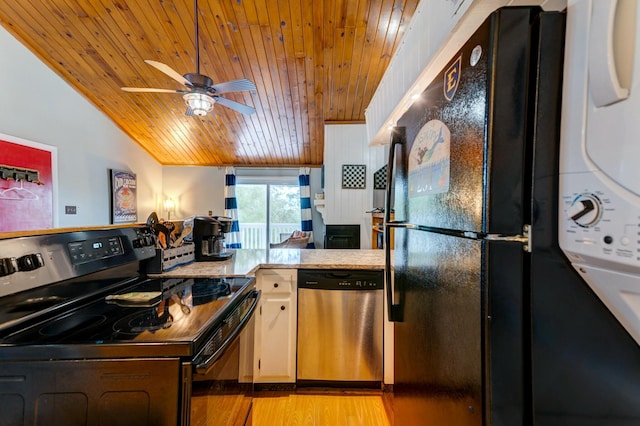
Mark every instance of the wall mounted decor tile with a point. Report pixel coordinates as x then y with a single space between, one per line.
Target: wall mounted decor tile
354 176
380 178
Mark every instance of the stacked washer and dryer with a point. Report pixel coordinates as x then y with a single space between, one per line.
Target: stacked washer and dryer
586 329
600 157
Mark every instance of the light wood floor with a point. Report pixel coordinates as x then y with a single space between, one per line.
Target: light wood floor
331 408
301 408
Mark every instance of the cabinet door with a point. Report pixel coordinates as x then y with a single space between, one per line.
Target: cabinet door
275 343
275 328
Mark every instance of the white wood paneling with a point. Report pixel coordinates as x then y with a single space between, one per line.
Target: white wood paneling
347 144
430 24
437 30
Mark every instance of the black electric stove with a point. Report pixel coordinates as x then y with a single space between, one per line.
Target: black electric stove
113 304
179 313
79 316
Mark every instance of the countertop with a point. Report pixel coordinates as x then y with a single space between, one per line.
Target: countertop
245 262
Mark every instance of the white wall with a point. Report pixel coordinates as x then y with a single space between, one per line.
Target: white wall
39 106
348 144
196 190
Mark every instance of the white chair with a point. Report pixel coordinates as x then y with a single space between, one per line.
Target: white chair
297 240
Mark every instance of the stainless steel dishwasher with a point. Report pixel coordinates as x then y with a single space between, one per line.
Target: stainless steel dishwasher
340 327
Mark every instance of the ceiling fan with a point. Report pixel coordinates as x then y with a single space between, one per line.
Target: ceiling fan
200 94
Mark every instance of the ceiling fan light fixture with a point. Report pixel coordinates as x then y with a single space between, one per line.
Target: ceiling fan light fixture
200 103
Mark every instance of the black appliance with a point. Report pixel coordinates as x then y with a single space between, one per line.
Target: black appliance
208 237
342 237
86 338
492 324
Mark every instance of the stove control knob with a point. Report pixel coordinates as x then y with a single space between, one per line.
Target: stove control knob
585 211
29 262
8 266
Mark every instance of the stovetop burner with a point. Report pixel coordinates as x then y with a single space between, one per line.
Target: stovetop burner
185 295
71 325
149 320
205 293
181 310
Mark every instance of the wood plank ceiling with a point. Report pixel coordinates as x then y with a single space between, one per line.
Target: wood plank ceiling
313 62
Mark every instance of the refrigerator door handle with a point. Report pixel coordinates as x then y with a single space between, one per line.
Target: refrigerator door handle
394 309
524 239
398 137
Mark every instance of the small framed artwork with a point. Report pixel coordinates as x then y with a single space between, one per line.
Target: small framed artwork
354 176
28 184
380 178
124 203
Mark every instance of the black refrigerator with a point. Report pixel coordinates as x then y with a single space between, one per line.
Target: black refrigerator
492 326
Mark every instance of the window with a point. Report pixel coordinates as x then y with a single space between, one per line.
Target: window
268 209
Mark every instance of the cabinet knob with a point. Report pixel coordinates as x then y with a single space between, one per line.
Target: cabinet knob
275 285
282 308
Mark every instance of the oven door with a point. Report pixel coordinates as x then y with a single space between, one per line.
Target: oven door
222 386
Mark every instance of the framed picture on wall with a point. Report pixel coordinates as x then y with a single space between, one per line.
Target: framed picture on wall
28 184
354 176
380 178
124 203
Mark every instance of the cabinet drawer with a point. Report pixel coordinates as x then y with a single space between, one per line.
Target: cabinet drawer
272 282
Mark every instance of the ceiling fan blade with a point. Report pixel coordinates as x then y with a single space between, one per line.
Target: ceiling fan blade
233 86
151 89
237 106
168 71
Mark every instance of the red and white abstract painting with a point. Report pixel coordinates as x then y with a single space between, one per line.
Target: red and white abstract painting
27 184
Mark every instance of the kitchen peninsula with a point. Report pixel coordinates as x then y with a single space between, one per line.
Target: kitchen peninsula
274 336
246 262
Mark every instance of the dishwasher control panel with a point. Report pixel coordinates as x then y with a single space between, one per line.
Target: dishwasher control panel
340 279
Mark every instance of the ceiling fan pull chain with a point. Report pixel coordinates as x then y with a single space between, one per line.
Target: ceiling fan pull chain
195 16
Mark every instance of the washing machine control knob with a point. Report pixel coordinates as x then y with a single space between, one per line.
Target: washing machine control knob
585 210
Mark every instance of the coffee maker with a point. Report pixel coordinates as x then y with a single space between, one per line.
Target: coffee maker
208 238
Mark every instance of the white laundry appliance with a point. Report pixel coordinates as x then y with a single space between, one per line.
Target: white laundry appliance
586 334
599 214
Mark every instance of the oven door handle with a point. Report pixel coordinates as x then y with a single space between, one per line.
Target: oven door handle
204 366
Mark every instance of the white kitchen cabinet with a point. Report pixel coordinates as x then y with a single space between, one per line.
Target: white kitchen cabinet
275 327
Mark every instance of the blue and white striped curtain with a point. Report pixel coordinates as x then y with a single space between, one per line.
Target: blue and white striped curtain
306 225
232 238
